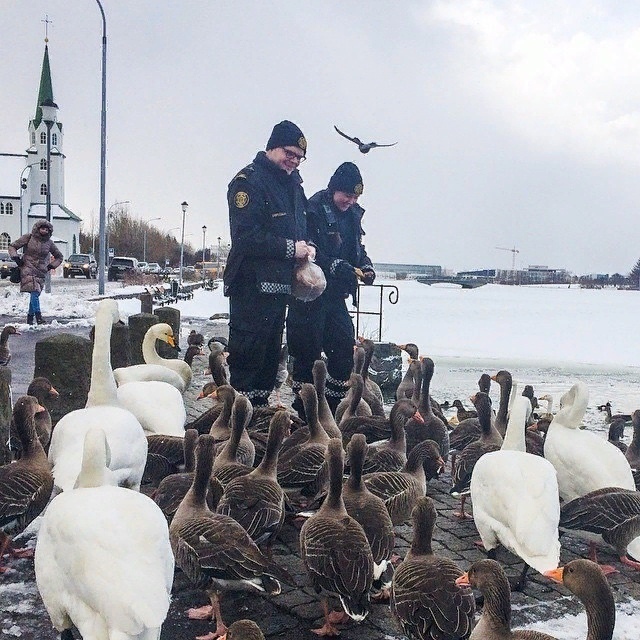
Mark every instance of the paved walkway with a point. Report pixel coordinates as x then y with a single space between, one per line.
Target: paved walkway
291 614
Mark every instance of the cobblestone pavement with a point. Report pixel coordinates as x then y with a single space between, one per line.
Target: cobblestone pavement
293 613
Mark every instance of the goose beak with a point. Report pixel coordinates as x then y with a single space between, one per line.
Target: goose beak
40 408
494 377
555 574
170 341
402 346
463 580
53 392
418 417
441 465
533 427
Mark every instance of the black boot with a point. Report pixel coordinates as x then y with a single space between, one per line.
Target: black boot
40 319
30 318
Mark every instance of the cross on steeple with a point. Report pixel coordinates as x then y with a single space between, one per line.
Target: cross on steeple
47 22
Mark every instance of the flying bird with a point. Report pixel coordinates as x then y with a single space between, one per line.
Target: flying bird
364 147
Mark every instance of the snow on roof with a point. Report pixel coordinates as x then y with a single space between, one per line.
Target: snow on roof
57 211
10 167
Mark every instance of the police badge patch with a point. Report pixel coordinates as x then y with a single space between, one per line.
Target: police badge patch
241 199
358 189
302 143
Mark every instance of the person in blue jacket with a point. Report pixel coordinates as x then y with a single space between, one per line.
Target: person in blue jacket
334 226
267 217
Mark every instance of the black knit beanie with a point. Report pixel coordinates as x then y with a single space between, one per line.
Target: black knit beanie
347 178
287 134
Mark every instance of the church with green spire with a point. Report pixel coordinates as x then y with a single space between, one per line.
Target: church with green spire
23 179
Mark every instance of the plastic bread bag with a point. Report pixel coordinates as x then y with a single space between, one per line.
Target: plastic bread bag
308 281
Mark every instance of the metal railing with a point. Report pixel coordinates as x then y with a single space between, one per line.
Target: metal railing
392 296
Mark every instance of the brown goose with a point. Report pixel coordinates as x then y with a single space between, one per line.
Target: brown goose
461 412
243 630
411 349
220 428
335 550
25 485
204 421
239 445
353 404
433 428
616 431
424 596
214 551
325 416
43 391
585 580
227 464
410 379
528 392
5 354
633 450
401 489
372 394
217 362
299 466
191 352
173 488
372 515
256 500
495 622
490 440
391 454
612 513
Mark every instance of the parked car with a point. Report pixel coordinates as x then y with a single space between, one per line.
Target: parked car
80 264
6 264
143 266
154 267
120 265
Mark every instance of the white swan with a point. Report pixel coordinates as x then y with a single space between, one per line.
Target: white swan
174 371
126 440
158 406
103 560
515 497
584 461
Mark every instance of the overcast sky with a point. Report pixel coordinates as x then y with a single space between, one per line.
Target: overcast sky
517 122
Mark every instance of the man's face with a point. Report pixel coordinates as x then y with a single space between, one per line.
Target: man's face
344 200
287 158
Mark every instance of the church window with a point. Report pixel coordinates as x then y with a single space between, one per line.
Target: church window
43 189
5 239
54 139
43 165
43 137
33 137
1 208
74 243
8 209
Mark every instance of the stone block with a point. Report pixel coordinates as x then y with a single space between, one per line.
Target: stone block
65 359
139 324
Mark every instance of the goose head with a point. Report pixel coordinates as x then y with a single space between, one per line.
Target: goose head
243 630
484 383
411 349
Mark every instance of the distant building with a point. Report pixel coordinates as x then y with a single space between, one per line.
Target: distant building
23 181
408 270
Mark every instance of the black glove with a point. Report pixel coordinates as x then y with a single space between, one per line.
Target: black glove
343 270
368 276
18 260
50 267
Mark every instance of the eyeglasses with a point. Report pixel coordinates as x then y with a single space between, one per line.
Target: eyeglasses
292 155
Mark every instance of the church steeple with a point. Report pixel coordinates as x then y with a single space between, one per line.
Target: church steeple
46 89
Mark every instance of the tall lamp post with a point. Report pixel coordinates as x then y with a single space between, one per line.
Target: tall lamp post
102 253
144 239
49 110
218 267
184 206
204 235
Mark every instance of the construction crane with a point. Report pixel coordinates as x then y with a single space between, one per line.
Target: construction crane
513 255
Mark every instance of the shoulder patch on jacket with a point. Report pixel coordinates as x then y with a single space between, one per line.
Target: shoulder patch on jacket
241 199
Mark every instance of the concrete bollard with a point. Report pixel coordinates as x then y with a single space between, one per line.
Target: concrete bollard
5 414
171 316
65 360
146 303
386 368
139 324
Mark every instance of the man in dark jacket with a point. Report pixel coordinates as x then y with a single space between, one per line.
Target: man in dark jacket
334 226
268 232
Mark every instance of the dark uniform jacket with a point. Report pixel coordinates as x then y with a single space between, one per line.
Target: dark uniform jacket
266 216
337 236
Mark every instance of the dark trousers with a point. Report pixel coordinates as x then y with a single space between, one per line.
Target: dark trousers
256 322
314 327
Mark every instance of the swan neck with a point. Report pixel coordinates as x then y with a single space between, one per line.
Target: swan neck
103 389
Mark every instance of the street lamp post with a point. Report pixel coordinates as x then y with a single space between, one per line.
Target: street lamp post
49 109
144 239
204 235
102 253
218 267
184 206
